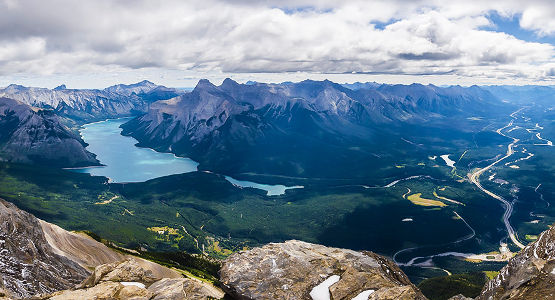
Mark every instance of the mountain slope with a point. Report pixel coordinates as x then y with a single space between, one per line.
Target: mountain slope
37 136
294 129
29 264
528 275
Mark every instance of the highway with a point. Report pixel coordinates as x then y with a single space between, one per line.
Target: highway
475 179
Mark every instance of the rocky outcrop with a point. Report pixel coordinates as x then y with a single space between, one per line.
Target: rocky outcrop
132 279
28 264
38 136
39 260
528 275
296 270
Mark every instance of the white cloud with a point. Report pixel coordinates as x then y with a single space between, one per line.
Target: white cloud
250 37
540 18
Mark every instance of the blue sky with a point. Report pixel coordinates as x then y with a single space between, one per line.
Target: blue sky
511 25
93 44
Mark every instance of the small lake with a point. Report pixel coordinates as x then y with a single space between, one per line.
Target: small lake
125 162
272 190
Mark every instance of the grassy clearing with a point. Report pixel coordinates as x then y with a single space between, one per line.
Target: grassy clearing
531 237
418 200
491 274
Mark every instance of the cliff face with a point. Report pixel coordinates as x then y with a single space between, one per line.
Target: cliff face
528 275
38 136
299 270
28 264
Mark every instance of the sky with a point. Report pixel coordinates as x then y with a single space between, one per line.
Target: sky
97 43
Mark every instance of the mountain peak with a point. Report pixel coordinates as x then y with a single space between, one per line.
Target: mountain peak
145 82
229 81
15 87
60 87
204 81
143 86
203 84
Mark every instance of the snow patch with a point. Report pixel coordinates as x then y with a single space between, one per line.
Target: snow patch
138 284
322 291
364 295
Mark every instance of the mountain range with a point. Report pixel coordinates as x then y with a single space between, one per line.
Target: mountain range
295 129
290 129
87 105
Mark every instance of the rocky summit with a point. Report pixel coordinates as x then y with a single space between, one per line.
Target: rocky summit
133 278
28 264
300 270
528 275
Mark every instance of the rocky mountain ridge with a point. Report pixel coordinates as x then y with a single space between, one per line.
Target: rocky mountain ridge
277 128
92 104
31 135
528 275
39 260
29 265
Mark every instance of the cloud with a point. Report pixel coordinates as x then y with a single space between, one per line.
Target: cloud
331 37
539 18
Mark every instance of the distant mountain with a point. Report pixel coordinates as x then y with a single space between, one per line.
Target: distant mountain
361 85
32 135
523 94
89 105
295 128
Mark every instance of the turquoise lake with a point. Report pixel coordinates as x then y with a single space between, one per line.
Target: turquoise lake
125 162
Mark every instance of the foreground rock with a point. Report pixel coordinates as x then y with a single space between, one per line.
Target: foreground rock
28 263
293 269
528 275
39 260
133 279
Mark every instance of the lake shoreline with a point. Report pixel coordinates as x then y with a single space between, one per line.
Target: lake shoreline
122 161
